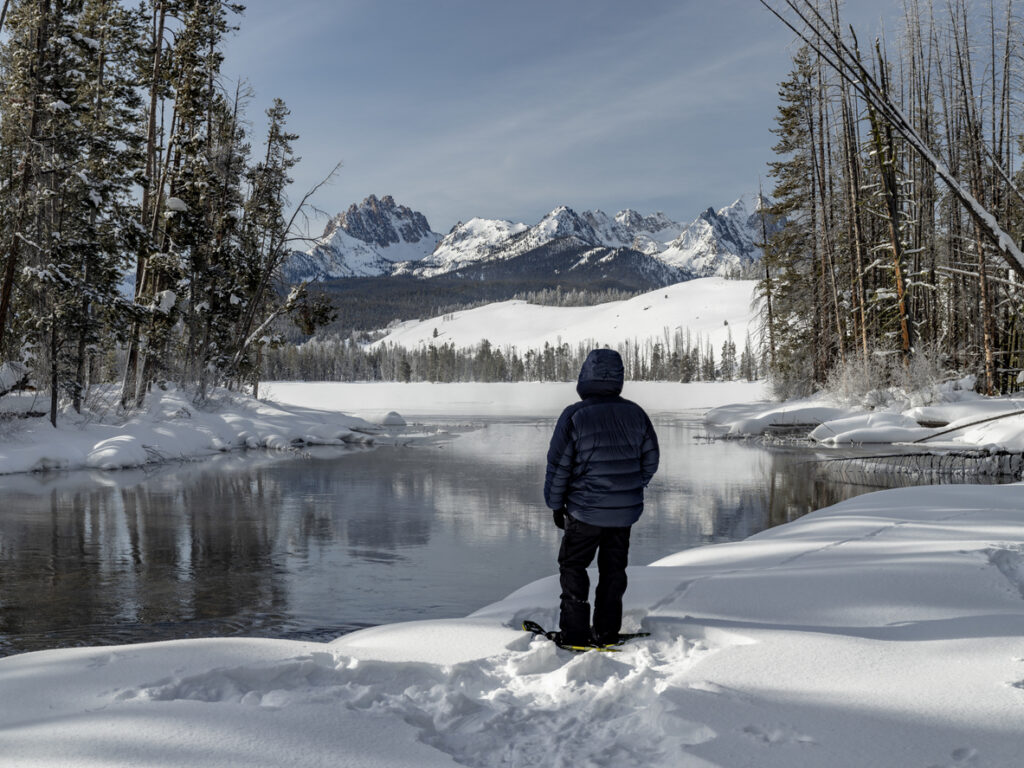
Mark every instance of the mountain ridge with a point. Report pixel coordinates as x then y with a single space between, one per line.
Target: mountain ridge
380 238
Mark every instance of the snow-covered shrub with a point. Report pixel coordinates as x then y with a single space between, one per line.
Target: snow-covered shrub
791 378
921 381
883 380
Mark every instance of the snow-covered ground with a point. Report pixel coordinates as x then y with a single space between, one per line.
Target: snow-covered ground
882 631
885 630
171 427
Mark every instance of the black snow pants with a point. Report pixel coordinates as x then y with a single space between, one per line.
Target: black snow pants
579 544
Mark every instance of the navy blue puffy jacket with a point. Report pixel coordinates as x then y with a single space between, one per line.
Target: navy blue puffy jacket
603 451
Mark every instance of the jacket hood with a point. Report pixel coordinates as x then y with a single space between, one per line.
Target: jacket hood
602 374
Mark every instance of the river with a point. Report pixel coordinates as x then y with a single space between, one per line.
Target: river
313 544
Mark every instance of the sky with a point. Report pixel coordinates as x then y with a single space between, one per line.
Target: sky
463 108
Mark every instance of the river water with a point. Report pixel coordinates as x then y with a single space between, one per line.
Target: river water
315 544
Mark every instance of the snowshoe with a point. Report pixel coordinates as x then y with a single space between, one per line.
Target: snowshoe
556 638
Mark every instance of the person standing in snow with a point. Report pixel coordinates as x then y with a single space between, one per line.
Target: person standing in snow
602 455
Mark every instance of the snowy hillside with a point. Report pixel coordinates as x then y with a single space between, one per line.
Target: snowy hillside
711 307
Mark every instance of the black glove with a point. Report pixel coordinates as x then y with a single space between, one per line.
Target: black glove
559 516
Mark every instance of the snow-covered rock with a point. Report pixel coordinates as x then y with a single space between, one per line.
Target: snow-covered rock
393 419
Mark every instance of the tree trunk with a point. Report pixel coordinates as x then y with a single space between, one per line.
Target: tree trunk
885 157
27 171
129 386
770 322
53 369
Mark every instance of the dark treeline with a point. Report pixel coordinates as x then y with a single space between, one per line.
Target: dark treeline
891 155
674 357
121 154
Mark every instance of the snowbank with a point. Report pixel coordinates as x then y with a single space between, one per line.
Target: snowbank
881 631
956 418
172 427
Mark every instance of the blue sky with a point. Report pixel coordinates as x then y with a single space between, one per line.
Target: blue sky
463 108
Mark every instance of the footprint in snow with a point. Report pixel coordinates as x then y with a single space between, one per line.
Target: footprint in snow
534 705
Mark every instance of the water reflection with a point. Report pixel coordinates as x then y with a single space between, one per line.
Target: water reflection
312 546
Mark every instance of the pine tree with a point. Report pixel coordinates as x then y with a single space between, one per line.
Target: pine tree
727 368
106 38
748 361
69 109
789 257
264 237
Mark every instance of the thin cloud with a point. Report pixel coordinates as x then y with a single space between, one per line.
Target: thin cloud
464 109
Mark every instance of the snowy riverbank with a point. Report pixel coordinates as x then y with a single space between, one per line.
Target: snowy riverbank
882 631
171 427
950 417
296 413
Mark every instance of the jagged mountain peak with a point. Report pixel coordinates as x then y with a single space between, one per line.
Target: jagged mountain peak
636 221
718 242
380 237
563 221
381 222
466 243
365 240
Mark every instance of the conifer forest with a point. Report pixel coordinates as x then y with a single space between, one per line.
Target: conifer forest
142 224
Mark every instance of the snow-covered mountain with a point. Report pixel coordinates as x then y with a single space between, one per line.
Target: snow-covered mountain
494 240
630 229
467 243
717 242
379 237
367 240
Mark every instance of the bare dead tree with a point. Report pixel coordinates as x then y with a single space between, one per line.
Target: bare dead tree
826 40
